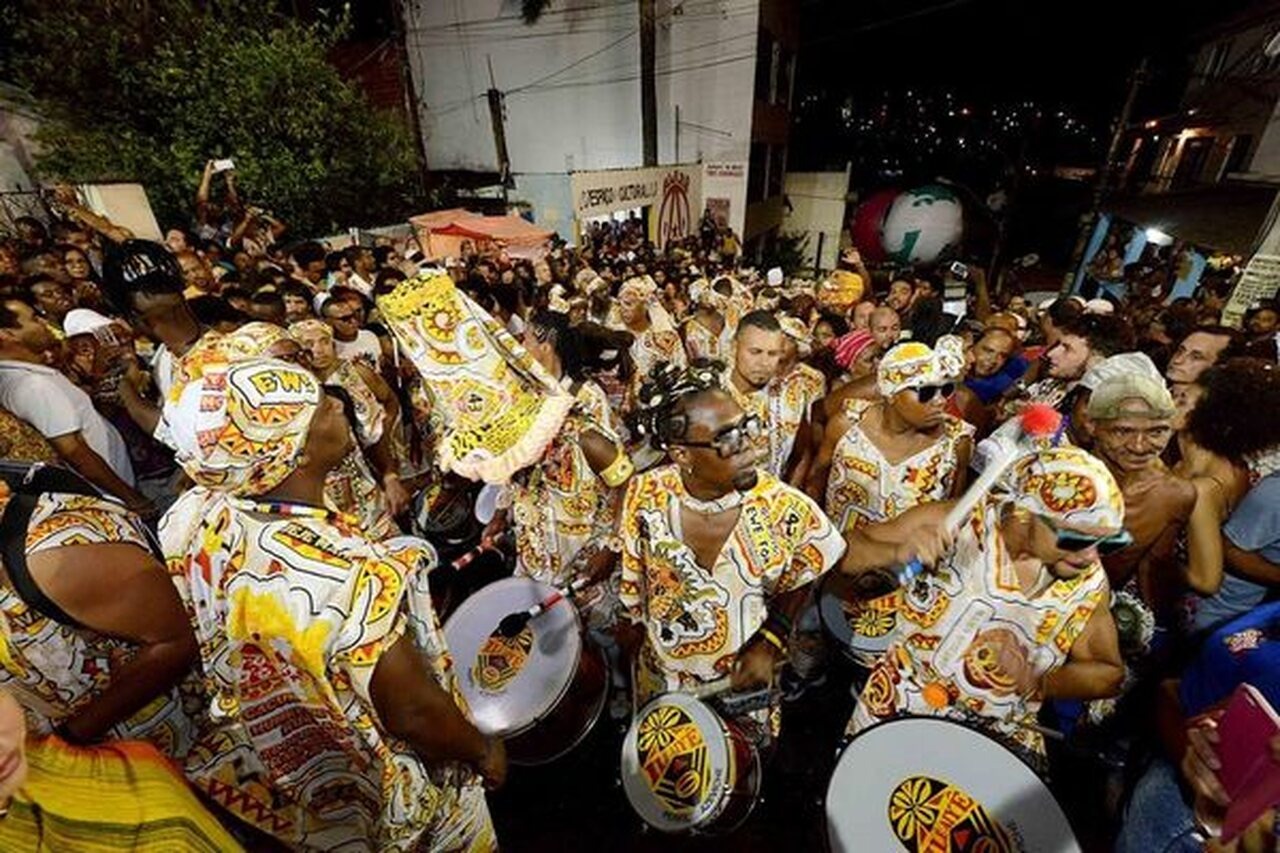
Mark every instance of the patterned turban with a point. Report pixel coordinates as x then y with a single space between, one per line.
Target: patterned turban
796 330
914 365
1068 486
240 427
841 291
255 339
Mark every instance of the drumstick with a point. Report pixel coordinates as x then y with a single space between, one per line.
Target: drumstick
493 544
513 623
1036 421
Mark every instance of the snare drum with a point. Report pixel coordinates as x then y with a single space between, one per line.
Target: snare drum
924 783
685 769
859 614
543 690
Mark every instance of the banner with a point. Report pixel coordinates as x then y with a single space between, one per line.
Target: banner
1260 282
673 195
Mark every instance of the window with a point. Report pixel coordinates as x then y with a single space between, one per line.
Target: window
756 171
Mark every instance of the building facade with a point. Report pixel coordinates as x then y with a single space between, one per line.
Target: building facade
567 102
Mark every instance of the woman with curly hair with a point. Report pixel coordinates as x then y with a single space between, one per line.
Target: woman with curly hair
1229 441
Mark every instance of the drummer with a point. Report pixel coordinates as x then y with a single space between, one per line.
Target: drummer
717 554
1010 615
335 721
564 506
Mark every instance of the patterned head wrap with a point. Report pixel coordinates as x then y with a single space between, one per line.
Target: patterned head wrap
312 326
702 293
500 408
636 290
841 291
914 364
240 427
255 339
795 329
852 345
1069 487
556 300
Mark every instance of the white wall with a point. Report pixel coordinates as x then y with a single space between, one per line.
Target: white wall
817 208
587 116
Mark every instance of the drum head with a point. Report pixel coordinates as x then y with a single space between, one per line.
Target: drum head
511 683
921 783
862 625
676 763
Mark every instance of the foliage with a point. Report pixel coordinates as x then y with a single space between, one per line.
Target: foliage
149 90
789 252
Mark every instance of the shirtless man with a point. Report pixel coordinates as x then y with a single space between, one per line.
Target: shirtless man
1130 420
886 325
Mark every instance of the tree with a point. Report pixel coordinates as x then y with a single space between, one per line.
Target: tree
149 90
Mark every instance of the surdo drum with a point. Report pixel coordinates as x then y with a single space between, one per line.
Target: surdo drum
543 690
859 614
686 769
921 784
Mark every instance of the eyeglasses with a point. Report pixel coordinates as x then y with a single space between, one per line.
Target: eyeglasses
1073 541
732 439
925 393
343 318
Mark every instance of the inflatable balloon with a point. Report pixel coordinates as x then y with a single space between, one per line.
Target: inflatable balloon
868 222
923 224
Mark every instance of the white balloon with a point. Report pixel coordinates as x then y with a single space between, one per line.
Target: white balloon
923 224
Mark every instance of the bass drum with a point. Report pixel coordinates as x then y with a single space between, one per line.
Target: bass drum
442 514
924 784
543 690
859 614
687 769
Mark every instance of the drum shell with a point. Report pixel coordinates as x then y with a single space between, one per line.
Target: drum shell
560 687
736 797
835 589
571 719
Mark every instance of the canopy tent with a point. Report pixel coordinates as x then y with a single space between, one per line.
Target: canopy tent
442 232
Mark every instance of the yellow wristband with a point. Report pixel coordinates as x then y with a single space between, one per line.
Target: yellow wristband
619 471
772 638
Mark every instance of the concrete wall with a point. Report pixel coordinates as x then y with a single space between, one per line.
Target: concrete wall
817 210
571 82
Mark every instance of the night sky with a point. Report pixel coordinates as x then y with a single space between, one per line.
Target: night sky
992 94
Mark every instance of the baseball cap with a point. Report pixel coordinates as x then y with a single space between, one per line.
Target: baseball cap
1108 399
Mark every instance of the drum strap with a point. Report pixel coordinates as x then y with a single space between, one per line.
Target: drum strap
13 549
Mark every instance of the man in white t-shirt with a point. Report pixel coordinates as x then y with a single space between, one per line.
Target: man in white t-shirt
345 315
62 413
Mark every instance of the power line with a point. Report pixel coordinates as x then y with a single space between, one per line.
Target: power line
728 60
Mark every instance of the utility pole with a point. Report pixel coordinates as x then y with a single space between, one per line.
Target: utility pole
648 81
499 132
1105 171
410 92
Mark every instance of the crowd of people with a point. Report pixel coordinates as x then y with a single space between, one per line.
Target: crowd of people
222 622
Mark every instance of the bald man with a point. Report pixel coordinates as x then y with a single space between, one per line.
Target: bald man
886 326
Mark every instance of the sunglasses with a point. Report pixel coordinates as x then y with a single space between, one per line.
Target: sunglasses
343 318
732 439
1073 541
925 393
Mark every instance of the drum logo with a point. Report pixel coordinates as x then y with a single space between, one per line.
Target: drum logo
674 759
929 816
500 660
874 618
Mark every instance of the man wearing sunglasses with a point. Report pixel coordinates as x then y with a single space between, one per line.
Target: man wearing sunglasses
1129 419
344 312
1013 611
717 555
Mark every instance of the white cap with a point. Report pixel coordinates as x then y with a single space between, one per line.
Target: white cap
774 277
1099 306
82 321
